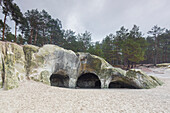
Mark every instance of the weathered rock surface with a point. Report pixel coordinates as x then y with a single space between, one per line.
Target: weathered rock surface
54 65
1 67
163 65
50 59
141 80
12 62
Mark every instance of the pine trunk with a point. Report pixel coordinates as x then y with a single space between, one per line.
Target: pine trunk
131 65
51 39
128 67
30 40
21 41
166 58
35 40
44 37
163 56
155 55
15 32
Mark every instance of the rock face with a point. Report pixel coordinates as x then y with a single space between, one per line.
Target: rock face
12 61
51 59
56 66
163 65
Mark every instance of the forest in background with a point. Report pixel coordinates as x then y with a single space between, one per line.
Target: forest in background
126 47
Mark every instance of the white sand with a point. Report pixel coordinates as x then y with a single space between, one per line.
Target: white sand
163 72
35 97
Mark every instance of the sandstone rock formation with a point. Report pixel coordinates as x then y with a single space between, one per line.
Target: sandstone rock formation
12 62
163 65
56 66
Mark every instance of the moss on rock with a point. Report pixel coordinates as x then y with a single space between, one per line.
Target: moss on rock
45 77
142 80
13 62
157 80
28 51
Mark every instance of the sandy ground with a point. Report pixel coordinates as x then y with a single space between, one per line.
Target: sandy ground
163 72
34 97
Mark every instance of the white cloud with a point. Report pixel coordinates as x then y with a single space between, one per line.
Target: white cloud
73 22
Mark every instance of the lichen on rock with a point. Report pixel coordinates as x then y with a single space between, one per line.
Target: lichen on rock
141 80
28 51
12 64
45 77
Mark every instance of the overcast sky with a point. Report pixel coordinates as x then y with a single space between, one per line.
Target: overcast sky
101 17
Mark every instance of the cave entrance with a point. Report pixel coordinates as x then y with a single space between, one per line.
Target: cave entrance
59 80
120 84
88 80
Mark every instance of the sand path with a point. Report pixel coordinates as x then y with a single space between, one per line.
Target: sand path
34 97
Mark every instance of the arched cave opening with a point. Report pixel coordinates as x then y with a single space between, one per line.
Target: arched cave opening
120 84
88 80
59 80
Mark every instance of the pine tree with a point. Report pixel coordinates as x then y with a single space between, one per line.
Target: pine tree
156 32
17 16
107 48
7 9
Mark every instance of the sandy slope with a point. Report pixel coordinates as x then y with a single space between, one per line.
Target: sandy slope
39 98
163 72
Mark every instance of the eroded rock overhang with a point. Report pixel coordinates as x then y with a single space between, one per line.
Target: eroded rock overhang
51 63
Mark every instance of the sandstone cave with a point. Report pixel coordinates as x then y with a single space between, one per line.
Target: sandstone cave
120 84
88 80
59 80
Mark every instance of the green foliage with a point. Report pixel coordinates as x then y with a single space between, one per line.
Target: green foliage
6 6
7 29
156 32
107 48
10 37
17 15
84 40
96 49
133 51
71 40
41 28
158 49
126 47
